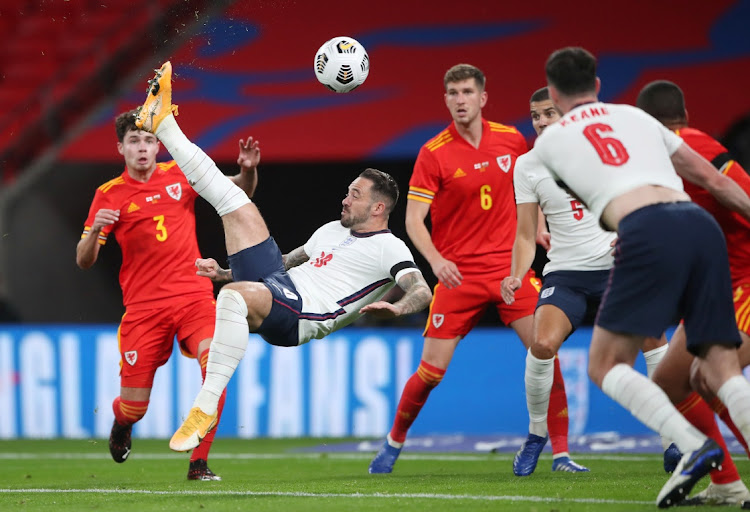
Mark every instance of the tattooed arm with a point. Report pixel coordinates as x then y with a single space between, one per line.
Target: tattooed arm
417 296
295 258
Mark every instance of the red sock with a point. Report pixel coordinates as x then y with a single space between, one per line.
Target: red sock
128 412
557 413
413 397
697 412
720 409
201 451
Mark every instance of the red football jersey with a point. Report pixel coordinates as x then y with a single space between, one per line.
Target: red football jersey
736 228
156 233
470 193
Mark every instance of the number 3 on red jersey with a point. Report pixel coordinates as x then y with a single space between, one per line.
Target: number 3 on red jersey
610 150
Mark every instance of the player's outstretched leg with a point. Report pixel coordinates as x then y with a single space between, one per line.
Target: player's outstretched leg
692 467
386 457
524 463
156 116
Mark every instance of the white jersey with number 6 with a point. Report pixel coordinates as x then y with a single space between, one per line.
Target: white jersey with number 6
602 150
346 271
577 242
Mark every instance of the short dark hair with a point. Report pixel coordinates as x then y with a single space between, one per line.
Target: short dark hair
384 187
663 100
572 71
540 95
125 122
461 72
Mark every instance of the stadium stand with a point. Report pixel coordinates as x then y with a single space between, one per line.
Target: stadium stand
60 58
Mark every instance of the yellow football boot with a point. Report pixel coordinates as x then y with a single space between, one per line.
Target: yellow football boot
158 103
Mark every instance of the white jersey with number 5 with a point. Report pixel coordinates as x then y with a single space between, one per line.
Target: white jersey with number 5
577 242
346 271
602 150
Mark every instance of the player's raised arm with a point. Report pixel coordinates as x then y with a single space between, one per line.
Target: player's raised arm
696 169
248 160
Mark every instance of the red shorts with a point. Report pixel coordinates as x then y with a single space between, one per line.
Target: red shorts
742 304
456 311
146 336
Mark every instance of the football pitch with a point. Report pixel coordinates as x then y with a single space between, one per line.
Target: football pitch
277 475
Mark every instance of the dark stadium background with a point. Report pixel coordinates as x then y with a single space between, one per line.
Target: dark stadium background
245 68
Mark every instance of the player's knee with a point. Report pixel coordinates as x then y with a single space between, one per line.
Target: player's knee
545 347
597 373
231 301
698 378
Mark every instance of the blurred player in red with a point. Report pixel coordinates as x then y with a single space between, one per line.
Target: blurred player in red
150 209
463 178
664 100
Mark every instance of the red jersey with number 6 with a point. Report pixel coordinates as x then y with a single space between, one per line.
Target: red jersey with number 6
156 233
736 229
470 193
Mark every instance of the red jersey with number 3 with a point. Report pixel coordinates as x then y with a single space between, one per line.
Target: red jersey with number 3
736 229
156 233
470 193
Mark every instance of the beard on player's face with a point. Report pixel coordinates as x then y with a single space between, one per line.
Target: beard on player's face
350 218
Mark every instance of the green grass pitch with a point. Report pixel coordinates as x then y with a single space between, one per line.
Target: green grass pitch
270 475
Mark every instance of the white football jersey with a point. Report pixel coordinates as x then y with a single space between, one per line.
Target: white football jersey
601 150
346 271
577 241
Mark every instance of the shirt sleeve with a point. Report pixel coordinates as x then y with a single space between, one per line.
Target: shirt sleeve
398 259
425 179
671 139
522 182
100 201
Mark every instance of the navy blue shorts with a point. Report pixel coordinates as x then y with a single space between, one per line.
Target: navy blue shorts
575 292
671 262
263 263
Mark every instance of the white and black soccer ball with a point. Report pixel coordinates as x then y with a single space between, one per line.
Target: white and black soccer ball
342 64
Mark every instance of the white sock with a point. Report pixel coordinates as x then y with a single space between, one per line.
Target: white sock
227 348
735 395
653 358
647 402
393 443
538 377
200 170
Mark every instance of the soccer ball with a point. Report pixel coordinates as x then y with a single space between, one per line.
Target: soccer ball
342 64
